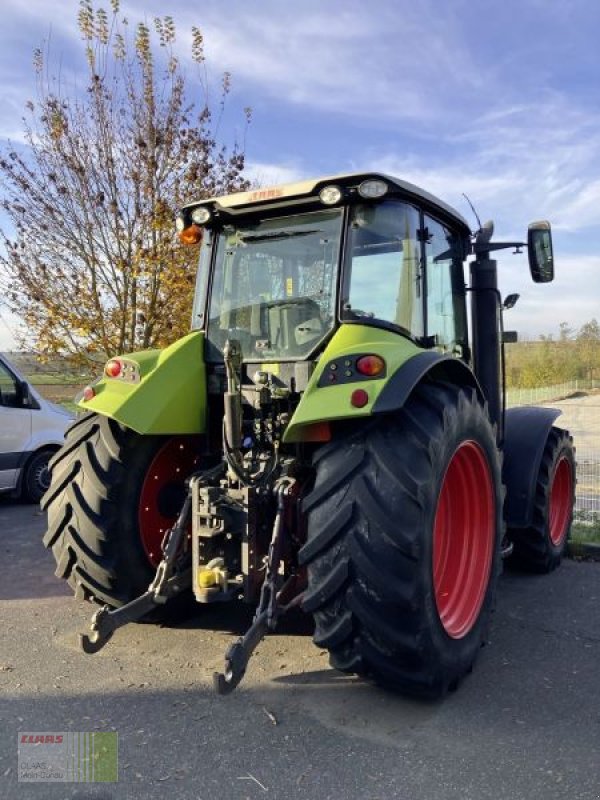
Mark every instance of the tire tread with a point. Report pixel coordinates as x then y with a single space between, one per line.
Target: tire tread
364 547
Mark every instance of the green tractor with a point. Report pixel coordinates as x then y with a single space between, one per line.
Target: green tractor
327 437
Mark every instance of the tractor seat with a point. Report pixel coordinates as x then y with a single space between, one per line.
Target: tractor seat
293 323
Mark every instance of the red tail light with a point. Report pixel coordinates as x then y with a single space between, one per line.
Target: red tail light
370 365
359 398
113 368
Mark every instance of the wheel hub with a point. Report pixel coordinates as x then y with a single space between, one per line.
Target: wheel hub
463 539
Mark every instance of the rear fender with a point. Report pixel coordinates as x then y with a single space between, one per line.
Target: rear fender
324 402
525 436
430 364
168 395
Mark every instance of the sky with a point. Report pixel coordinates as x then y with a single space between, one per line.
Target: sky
496 99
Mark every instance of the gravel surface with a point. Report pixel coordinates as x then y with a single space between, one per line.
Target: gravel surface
580 414
526 723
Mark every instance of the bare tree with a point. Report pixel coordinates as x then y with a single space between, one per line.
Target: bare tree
90 261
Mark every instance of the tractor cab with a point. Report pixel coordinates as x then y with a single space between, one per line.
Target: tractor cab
289 266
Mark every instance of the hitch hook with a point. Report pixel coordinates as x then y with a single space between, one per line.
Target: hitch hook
268 611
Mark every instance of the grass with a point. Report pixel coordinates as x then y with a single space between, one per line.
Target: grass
70 406
586 528
66 379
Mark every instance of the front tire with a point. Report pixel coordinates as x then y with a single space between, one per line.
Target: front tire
403 549
113 494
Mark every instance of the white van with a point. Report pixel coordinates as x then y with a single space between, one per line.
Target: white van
31 430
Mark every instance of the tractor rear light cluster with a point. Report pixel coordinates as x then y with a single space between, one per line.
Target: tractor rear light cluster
353 369
123 370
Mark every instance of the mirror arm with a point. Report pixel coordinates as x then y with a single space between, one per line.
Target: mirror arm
487 248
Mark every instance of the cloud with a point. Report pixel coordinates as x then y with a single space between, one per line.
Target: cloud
9 325
343 59
521 164
272 174
455 120
542 307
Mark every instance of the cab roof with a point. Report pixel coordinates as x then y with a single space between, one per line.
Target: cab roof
285 193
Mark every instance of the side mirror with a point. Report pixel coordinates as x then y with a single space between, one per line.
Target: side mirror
23 395
510 301
539 245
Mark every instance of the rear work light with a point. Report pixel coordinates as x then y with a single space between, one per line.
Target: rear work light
113 368
330 195
201 215
372 189
370 365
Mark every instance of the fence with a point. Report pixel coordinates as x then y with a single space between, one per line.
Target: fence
541 394
587 504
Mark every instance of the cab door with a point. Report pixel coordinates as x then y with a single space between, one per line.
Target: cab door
446 314
15 428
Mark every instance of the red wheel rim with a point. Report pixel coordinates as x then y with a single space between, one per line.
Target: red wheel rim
463 539
561 501
163 491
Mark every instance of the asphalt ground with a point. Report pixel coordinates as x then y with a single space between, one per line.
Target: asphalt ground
525 724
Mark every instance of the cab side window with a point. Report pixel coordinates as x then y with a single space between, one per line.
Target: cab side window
385 265
10 392
446 310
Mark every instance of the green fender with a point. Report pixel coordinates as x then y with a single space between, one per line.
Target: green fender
328 403
406 365
167 394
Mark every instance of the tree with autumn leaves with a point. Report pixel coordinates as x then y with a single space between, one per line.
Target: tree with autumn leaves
88 259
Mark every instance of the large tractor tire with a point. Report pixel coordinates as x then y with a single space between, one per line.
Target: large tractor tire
113 494
403 546
540 547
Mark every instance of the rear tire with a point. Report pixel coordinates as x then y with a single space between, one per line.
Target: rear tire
540 547
95 518
394 504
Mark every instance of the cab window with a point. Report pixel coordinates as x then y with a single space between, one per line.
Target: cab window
384 281
446 310
274 286
10 391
